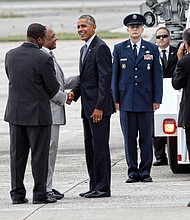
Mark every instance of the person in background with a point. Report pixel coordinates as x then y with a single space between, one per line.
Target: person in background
137 88
181 80
169 59
94 88
32 83
57 110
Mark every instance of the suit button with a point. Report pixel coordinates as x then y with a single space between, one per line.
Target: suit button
135 77
135 68
136 84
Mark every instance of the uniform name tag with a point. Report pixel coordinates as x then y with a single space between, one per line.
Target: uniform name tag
123 59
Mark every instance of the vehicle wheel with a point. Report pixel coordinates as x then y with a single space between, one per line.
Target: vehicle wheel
172 156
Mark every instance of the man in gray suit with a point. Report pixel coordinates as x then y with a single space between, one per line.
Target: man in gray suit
32 83
57 110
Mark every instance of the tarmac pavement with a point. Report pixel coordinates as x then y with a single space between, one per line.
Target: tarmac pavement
165 198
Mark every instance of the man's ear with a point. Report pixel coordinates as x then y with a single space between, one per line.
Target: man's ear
94 27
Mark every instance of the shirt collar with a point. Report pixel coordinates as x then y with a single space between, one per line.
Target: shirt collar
166 49
138 43
88 42
46 49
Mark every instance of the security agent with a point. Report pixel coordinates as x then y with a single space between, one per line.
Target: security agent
137 88
168 57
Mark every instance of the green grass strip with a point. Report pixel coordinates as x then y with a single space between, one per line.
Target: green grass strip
68 36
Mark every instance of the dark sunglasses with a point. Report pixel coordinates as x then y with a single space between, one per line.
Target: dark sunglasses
162 35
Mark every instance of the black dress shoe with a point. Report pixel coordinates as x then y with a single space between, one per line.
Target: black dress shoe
97 194
48 200
50 197
132 179
82 194
161 162
22 201
57 194
39 202
188 204
146 179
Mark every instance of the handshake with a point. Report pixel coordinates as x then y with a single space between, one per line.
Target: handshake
70 97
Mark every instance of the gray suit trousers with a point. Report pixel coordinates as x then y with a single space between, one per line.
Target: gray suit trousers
52 155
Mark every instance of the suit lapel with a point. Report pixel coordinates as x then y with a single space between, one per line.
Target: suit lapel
142 51
129 51
171 54
89 50
130 54
59 71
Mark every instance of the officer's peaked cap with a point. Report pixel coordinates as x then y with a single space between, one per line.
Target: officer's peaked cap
134 19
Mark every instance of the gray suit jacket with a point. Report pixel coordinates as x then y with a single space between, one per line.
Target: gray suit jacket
58 101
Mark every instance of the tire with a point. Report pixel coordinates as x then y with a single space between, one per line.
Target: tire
172 156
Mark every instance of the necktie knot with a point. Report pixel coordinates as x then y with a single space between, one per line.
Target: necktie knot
51 54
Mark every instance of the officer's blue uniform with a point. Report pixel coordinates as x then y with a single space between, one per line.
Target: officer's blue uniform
136 86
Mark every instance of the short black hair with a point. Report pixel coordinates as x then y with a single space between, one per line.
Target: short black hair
186 36
163 28
36 30
88 17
